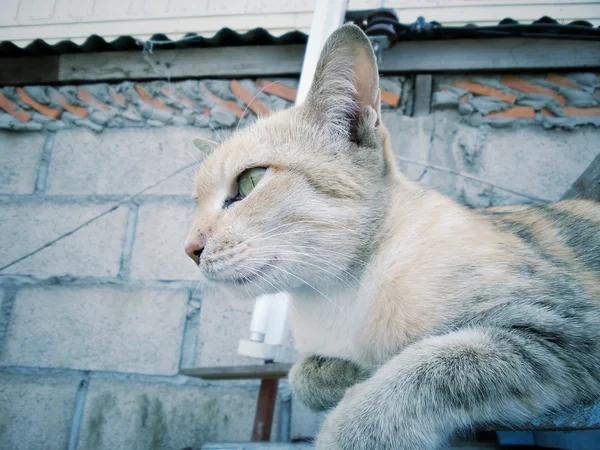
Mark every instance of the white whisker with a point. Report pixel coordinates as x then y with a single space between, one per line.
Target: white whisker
248 106
304 282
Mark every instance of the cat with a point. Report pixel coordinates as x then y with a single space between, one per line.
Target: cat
419 317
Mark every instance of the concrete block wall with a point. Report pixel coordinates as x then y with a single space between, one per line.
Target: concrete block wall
97 321
99 306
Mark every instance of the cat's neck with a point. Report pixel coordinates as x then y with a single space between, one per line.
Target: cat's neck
330 320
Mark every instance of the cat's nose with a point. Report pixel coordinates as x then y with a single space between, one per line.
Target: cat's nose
194 248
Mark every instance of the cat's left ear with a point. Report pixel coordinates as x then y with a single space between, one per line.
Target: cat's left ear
205 145
345 91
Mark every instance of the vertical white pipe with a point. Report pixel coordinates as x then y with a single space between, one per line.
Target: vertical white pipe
260 317
328 16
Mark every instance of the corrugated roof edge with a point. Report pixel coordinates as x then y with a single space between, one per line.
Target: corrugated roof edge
545 27
385 21
225 37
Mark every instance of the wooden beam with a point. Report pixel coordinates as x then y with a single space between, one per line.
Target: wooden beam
461 55
236 62
587 186
256 446
265 407
38 69
264 371
465 55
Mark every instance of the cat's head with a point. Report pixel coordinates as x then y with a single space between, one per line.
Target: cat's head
294 200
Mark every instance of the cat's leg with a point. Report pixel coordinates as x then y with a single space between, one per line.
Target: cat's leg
321 382
442 384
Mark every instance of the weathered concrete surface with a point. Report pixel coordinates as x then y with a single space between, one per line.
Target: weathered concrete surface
158 251
19 161
485 166
566 101
35 411
155 104
108 311
468 191
143 416
122 161
225 319
96 328
537 163
410 136
94 250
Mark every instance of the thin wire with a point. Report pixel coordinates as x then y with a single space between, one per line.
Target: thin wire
102 214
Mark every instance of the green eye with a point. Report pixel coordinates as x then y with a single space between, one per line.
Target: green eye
249 179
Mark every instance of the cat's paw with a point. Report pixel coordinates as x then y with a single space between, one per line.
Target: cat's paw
321 382
356 424
369 419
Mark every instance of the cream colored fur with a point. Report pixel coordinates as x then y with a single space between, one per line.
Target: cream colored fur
463 317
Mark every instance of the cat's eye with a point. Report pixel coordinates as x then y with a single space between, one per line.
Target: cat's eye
248 180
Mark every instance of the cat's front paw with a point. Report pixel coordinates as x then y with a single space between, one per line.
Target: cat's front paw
371 418
321 382
358 423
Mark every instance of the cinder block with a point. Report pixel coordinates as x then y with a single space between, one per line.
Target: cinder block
224 320
410 136
158 252
35 412
20 155
531 161
97 328
123 161
468 191
138 416
94 250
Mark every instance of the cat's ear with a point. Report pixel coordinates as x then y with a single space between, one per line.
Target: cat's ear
345 90
205 145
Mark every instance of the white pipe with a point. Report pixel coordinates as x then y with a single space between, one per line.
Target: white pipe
260 316
328 17
270 315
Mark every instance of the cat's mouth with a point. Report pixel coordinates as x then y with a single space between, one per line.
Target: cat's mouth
241 279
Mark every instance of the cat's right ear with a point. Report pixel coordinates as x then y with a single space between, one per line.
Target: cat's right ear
345 91
205 145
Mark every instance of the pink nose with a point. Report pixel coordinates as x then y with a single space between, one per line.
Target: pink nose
194 248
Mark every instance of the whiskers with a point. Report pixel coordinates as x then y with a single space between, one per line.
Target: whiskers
273 264
273 284
252 101
303 281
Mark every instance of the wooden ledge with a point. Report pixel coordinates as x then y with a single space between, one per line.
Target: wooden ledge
258 371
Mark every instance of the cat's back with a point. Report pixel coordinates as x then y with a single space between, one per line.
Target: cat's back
565 233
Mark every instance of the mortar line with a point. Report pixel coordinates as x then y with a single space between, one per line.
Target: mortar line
69 281
42 175
189 340
93 198
98 216
429 150
78 410
128 242
10 293
176 379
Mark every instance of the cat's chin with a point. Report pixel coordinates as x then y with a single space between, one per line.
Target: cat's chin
239 290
